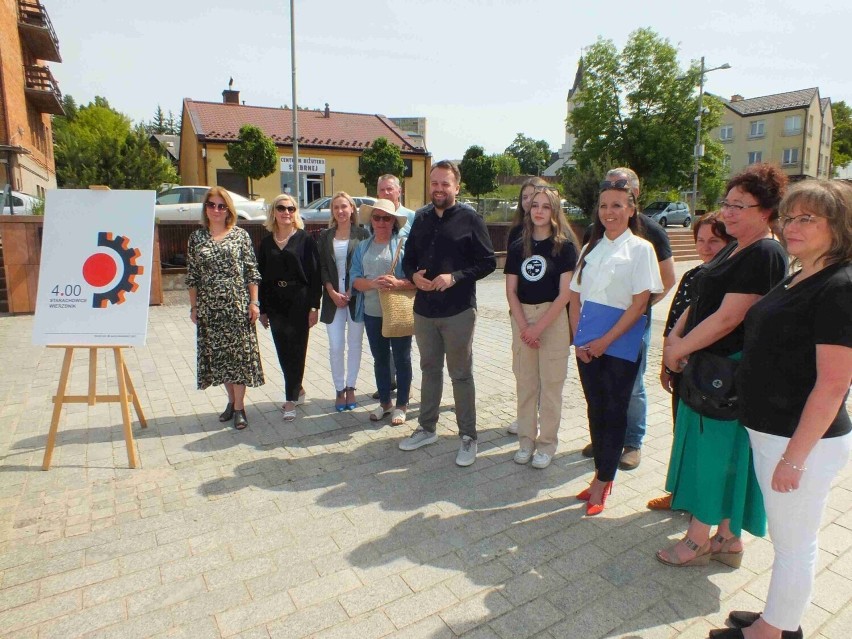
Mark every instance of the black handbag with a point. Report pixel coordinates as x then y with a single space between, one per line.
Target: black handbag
708 386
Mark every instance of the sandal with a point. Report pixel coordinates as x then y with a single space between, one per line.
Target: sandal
240 421
289 414
660 503
398 416
340 401
351 404
380 413
725 555
670 557
302 394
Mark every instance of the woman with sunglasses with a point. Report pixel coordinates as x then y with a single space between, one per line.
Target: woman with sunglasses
538 271
336 246
710 474
222 277
370 273
793 382
618 269
289 292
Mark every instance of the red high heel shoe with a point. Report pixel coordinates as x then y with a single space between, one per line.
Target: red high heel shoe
597 509
584 494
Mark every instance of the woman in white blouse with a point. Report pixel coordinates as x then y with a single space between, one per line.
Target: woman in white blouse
618 269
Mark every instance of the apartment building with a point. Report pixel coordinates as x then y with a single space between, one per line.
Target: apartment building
29 95
793 130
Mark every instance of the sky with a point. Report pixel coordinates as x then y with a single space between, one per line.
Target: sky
480 71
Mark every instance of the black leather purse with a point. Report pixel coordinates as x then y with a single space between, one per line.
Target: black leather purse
708 386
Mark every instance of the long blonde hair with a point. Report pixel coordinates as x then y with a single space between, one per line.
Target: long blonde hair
560 230
353 217
271 223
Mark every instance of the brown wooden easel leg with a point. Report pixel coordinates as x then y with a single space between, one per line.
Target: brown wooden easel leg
120 373
57 407
136 403
93 370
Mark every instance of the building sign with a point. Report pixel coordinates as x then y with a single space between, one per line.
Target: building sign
95 270
306 165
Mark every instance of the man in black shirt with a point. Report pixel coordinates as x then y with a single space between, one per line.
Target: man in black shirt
447 250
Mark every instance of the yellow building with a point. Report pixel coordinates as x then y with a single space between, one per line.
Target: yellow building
792 129
330 148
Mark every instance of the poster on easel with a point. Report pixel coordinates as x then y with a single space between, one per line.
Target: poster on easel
95 269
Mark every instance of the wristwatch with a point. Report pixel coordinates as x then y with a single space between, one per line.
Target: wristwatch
255 303
314 310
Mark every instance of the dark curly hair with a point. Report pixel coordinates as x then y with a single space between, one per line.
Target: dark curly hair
766 182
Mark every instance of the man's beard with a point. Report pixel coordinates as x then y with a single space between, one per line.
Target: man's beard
448 201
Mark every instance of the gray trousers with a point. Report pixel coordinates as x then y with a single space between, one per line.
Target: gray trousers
452 337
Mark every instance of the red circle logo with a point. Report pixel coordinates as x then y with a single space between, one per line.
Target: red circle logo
99 270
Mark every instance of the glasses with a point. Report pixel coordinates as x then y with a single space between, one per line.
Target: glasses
622 185
215 205
738 208
383 218
799 220
539 189
281 208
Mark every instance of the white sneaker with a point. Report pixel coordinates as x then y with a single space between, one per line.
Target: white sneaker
541 460
513 428
467 452
417 439
523 455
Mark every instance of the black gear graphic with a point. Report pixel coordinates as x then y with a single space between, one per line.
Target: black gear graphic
127 283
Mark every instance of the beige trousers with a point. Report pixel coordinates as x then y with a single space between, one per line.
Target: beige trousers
540 376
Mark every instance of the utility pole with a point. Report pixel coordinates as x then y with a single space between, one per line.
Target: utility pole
296 195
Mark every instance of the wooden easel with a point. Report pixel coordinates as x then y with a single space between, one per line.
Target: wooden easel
126 395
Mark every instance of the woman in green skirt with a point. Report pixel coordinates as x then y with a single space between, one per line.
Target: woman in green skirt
710 471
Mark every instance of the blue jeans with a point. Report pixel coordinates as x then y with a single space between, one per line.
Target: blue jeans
637 409
381 347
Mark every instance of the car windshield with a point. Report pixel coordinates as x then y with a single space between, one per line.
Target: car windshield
319 203
655 206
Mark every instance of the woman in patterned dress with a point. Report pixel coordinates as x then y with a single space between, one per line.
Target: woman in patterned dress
222 277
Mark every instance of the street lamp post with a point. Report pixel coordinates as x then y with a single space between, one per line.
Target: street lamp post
699 149
296 195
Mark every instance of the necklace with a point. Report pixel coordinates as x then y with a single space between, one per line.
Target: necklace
281 243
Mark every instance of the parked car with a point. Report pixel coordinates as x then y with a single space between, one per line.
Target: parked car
666 213
319 211
22 204
178 203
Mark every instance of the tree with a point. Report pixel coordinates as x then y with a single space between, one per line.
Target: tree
533 155
253 156
479 175
841 145
95 144
637 107
581 186
506 165
380 159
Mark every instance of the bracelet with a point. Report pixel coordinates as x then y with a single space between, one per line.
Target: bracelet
793 466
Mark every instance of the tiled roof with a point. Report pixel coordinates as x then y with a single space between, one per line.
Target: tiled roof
778 102
220 122
823 103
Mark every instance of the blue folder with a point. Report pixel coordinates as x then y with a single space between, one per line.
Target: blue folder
596 319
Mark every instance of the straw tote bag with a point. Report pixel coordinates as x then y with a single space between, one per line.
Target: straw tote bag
397 307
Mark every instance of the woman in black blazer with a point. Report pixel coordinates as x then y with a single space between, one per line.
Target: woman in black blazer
336 245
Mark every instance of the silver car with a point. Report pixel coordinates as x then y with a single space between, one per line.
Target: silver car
319 211
179 203
665 213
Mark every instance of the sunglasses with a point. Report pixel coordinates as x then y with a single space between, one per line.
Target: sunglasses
622 185
216 206
383 218
281 208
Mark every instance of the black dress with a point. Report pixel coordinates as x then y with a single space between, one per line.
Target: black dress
290 286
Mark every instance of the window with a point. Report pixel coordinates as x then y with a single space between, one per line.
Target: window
757 129
791 156
726 162
755 157
169 197
808 158
792 124
810 125
726 133
827 139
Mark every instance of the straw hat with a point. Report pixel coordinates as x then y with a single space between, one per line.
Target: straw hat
385 206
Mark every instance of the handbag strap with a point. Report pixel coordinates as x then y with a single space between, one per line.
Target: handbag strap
399 244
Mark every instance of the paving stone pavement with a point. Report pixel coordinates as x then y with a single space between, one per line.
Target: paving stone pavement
324 528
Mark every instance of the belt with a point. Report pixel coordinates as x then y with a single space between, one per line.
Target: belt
286 283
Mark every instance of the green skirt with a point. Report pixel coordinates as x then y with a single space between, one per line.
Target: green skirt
711 474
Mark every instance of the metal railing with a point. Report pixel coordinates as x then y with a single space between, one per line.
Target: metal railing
34 13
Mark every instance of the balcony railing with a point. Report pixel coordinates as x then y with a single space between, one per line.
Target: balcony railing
37 31
42 89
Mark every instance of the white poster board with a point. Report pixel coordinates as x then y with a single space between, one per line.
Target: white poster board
95 271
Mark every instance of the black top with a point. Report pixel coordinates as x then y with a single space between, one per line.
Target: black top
778 369
651 231
682 297
754 270
457 243
297 264
514 233
538 275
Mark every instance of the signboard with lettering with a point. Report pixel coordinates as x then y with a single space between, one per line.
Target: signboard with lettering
95 269
306 165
